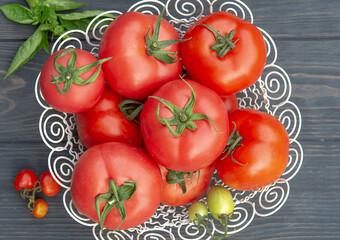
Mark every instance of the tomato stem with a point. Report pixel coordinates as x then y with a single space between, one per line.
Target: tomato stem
234 141
131 108
154 47
223 44
175 177
70 74
183 118
115 198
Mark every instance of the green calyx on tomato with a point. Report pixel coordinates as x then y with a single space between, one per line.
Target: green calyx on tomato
175 177
131 108
154 46
183 118
115 198
223 44
70 74
234 141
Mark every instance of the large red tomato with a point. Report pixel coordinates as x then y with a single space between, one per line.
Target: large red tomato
104 122
224 52
194 187
67 85
230 102
135 70
109 167
257 152
186 127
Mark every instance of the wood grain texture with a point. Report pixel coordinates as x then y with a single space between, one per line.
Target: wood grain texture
307 36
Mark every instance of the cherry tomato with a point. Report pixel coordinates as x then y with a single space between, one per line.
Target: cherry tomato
195 187
104 122
26 178
257 152
109 168
197 211
199 125
207 60
48 185
220 202
40 208
135 71
63 89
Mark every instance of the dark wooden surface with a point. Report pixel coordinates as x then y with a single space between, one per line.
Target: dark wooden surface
307 35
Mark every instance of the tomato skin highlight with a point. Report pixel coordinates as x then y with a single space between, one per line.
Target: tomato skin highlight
26 178
239 68
48 185
173 195
120 162
104 122
263 156
40 208
80 97
192 150
131 72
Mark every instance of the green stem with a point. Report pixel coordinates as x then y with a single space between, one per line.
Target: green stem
183 118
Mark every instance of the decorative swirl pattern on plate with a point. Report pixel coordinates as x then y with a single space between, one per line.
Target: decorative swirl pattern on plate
271 93
236 7
272 198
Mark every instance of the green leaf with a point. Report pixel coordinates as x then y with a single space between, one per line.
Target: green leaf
81 15
27 51
80 20
33 3
17 13
44 42
63 5
48 14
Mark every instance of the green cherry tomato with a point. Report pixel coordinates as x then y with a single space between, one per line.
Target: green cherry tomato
197 208
220 202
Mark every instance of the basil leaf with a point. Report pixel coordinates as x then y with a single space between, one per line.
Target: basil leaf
80 20
48 14
44 42
18 13
27 51
33 3
81 15
63 5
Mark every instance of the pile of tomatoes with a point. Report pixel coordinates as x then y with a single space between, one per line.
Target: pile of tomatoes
29 185
158 114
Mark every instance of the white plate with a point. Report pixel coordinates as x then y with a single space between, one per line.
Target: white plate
271 94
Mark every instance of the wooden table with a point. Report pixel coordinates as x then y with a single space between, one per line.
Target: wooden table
307 35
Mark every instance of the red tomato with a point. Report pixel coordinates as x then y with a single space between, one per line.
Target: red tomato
201 142
40 208
230 102
132 72
104 122
119 162
48 185
26 178
172 193
261 153
239 68
79 97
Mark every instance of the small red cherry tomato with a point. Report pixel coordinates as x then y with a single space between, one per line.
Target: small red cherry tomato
48 185
26 178
40 208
